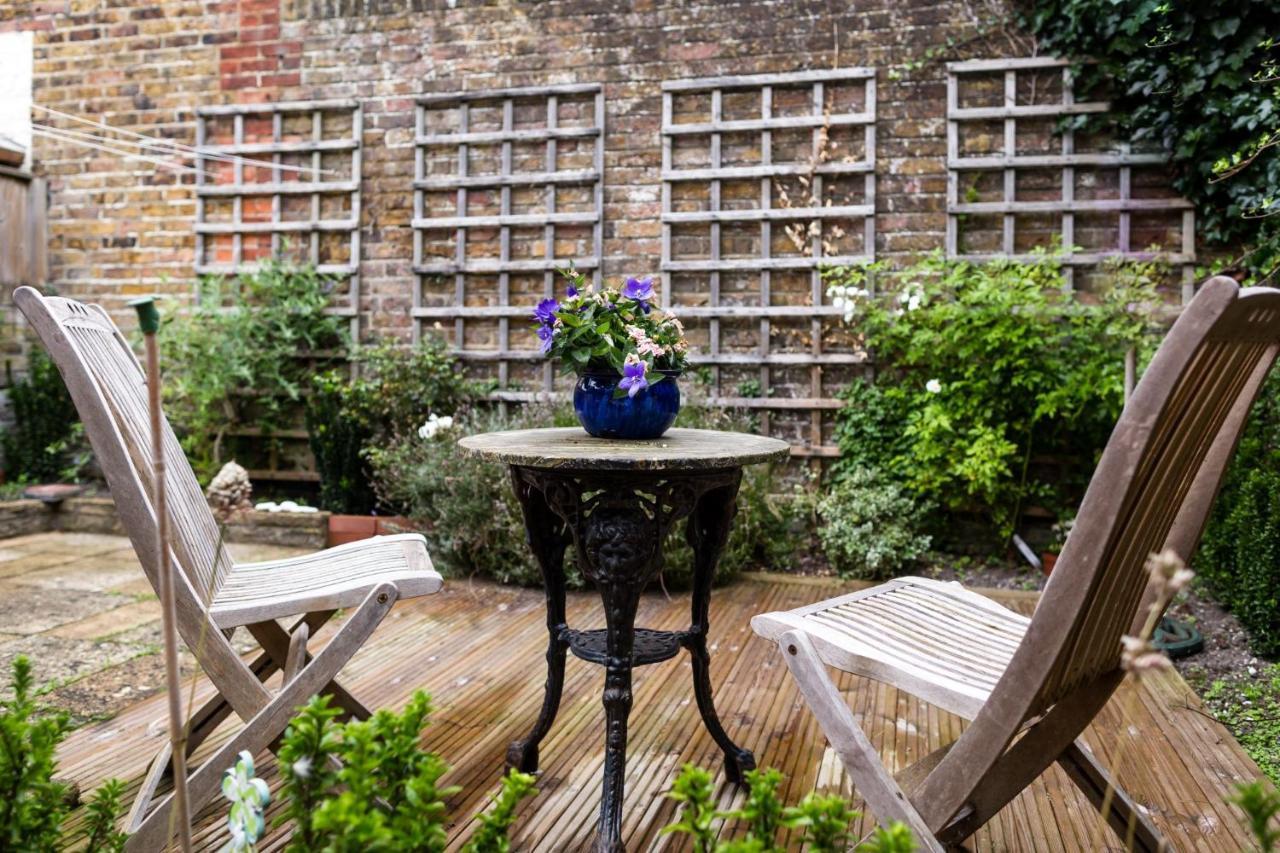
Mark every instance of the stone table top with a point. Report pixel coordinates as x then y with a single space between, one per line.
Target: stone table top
570 448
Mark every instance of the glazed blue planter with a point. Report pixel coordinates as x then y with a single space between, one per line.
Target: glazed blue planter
648 414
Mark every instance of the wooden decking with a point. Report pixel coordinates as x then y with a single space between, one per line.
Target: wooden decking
478 649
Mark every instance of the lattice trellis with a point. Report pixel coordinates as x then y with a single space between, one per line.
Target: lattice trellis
303 202
508 187
1028 178
765 179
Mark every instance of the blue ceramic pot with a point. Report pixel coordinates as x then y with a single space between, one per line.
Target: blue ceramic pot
646 415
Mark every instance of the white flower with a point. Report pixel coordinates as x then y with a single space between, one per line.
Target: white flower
435 423
913 302
933 386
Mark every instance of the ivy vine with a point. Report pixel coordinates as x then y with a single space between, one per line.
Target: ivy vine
1202 80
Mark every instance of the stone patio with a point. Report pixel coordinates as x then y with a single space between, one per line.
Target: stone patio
79 606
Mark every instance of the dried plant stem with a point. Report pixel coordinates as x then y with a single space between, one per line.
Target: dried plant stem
177 726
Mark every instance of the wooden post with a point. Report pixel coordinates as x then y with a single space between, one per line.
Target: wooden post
149 322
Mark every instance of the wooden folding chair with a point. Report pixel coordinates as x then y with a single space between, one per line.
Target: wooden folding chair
1031 686
214 594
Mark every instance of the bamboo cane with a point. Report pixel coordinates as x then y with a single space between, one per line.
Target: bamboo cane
149 322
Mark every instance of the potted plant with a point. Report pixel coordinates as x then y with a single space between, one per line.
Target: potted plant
627 355
1061 530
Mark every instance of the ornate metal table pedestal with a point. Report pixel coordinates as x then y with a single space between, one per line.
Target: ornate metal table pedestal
617 520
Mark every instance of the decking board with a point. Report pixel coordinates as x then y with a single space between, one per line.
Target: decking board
478 649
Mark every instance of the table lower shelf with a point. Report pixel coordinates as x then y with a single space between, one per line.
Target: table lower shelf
650 646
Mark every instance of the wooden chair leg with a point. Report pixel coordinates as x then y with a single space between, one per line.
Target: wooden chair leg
871 779
1124 816
275 642
263 728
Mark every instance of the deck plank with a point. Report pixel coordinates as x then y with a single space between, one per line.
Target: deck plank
478 649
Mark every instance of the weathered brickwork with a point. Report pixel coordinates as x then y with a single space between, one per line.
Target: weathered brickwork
119 228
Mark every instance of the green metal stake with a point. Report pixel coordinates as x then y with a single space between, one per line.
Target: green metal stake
149 322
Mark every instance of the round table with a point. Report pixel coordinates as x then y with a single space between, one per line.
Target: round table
615 501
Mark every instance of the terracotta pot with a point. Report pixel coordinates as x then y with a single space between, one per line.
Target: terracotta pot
351 528
1048 560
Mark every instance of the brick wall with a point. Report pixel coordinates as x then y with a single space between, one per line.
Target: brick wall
119 228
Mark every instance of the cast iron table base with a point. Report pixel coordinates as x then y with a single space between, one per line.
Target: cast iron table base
618 522
615 501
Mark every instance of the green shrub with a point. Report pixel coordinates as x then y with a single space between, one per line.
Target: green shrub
386 794
471 519
46 434
987 367
33 805
1260 804
1239 557
396 388
242 356
870 526
822 824
463 505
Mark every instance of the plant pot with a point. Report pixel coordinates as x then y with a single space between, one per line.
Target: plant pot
1048 560
648 414
351 528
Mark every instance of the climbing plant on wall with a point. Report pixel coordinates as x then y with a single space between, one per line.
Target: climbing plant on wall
1204 80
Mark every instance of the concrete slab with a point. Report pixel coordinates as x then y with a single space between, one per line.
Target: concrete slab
32 609
34 561
111 623
56 661
84 575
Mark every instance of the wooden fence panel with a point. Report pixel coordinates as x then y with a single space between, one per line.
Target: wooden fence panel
23 239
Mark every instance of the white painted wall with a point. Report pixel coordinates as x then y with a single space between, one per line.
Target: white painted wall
15 90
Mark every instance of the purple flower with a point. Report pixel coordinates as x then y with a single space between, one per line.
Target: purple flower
546 334
633 381
545 312
571 291
639 289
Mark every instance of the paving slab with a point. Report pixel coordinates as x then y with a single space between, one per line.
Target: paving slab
80 606
56 661
32 609
103 694
111 623
34 561
84 575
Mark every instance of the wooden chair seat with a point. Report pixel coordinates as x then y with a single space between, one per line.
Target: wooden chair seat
939 641
326 580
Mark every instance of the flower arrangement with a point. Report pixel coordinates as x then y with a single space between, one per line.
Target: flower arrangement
612 330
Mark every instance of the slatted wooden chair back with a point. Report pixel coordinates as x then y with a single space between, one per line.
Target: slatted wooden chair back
1152 489
1156 481
108 387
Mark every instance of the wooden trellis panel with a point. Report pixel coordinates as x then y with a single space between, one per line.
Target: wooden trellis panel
766 179
1023 169
302 202
508 188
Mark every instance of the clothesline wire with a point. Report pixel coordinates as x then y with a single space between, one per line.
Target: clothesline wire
175 147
